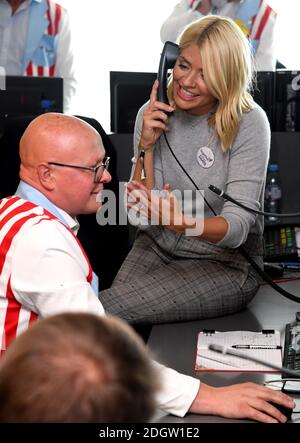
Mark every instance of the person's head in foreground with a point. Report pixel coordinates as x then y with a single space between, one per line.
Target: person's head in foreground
77 367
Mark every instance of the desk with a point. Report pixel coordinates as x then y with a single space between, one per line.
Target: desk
175 344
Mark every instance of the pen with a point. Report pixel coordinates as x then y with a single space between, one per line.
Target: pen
256 346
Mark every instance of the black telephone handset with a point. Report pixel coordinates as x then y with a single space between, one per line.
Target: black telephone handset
167 61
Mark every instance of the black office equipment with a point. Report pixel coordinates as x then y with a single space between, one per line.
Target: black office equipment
286 153
167 61
31 95
128 92
280 244
291 356
287 101
278 93
283 409
264 93
22 99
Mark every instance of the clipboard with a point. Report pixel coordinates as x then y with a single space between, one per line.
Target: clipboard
264 345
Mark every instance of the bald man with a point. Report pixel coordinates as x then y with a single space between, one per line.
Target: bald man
44 269
63 168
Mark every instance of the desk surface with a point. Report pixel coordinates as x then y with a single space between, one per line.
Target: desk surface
175 344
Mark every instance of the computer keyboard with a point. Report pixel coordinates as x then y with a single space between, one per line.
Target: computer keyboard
280 244
291 356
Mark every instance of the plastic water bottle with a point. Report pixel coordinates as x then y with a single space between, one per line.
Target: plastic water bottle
273 192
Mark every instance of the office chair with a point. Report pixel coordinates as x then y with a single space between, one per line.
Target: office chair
106 246
13 129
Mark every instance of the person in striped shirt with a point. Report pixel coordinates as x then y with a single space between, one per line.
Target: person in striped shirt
255 17
35 40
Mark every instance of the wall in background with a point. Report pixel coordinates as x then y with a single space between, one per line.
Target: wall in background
118 35
112 35
287 32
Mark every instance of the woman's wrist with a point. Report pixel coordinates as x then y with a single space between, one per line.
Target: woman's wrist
146 149
189 226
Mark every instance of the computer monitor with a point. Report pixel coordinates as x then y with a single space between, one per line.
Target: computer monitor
287 101
285 153
128 92
264 93
31 95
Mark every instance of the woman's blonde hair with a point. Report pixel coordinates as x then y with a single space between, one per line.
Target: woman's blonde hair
227 70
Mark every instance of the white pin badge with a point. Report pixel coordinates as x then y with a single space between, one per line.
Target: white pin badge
205 157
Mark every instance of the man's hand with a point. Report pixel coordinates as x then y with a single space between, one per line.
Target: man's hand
244 400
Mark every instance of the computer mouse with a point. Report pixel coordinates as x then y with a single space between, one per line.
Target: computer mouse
283 409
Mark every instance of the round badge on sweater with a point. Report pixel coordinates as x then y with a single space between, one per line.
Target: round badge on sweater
205 157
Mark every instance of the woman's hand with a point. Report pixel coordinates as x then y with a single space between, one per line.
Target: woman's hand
244 400
158 210
155 119
166 210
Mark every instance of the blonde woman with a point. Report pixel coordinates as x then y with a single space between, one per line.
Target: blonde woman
185 263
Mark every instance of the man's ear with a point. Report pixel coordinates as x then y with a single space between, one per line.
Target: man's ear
45 176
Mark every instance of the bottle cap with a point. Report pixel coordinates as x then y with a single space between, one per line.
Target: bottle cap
46 104
273 167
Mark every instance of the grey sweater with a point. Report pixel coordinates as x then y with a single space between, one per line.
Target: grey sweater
240 172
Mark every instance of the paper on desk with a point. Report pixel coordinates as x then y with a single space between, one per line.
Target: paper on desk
208 360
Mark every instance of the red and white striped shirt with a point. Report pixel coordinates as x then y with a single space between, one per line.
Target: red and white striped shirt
31 241
262 29
264 14
43 268
53 16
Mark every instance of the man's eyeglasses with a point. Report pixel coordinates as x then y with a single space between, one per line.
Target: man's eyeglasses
97 170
